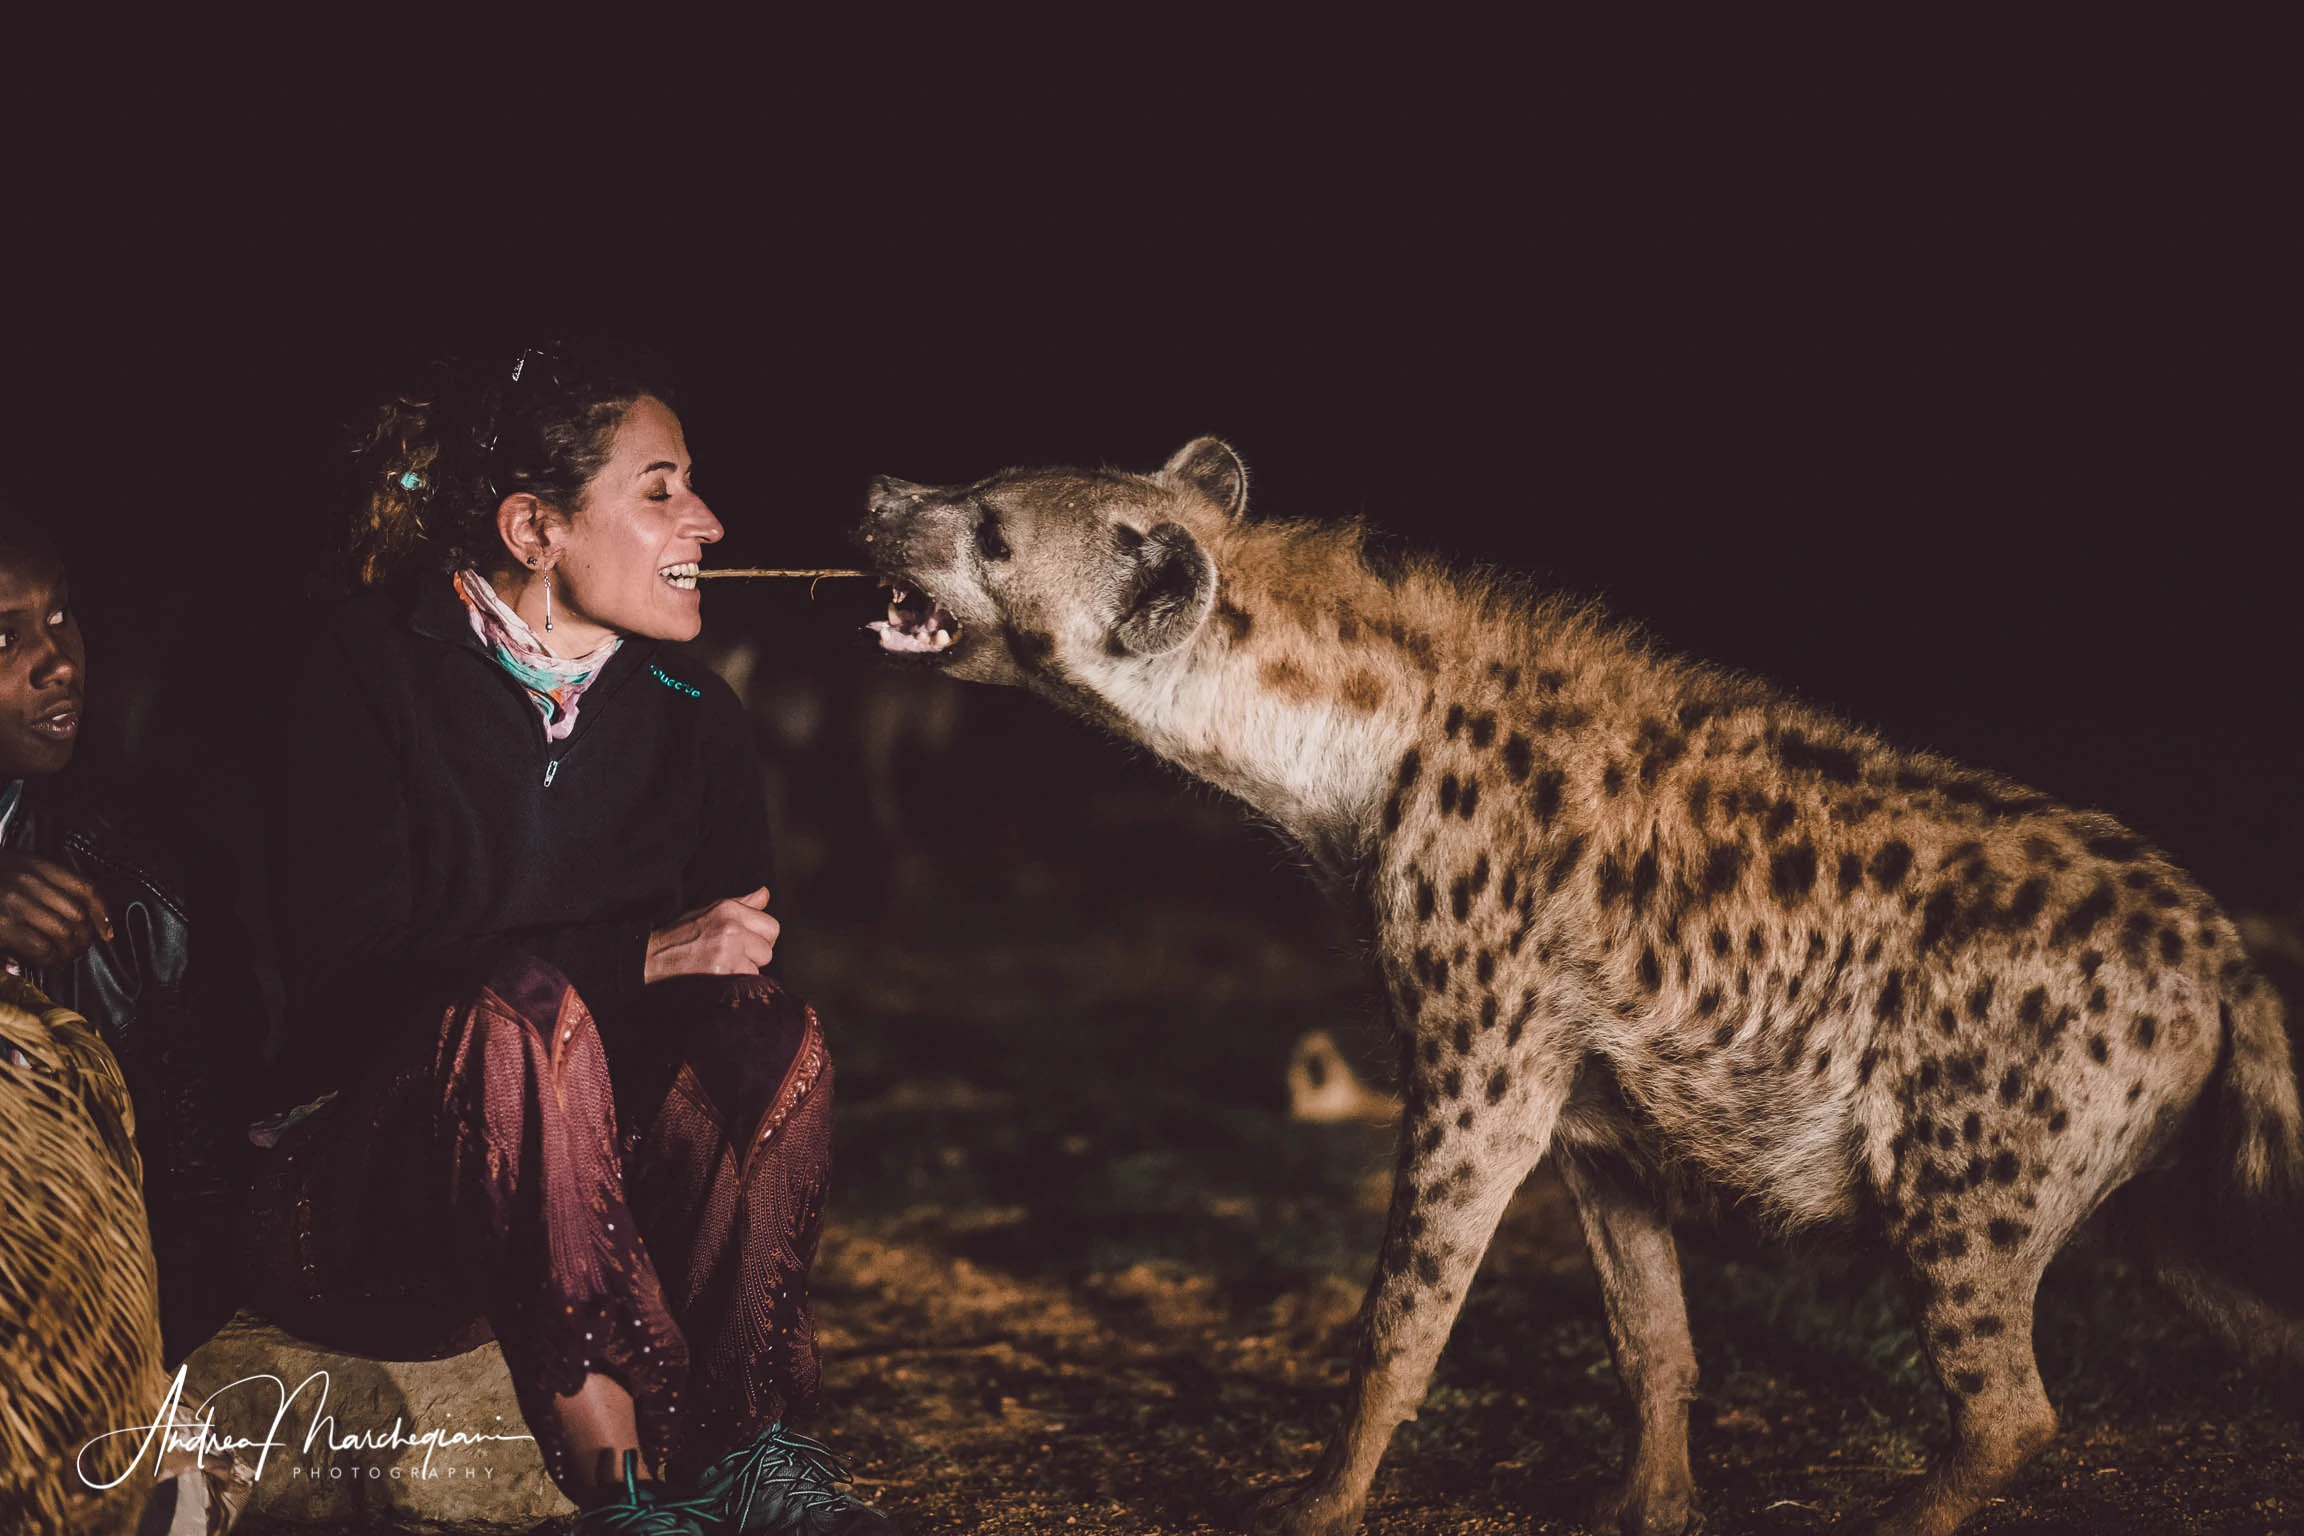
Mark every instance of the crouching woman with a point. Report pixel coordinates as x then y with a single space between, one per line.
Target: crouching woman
521 874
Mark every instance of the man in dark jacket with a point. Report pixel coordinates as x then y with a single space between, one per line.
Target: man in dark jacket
96 911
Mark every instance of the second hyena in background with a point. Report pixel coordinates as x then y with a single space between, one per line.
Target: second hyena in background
1700 941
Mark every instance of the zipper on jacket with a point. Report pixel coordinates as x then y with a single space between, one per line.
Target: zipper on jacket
551 764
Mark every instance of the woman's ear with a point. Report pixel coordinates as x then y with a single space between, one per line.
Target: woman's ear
525 525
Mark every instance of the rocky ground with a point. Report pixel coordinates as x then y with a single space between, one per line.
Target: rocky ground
1084 1274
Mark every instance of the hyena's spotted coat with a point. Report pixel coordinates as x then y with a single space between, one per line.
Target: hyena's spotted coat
1701 940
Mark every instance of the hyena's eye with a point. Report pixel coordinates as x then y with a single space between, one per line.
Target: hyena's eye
989 543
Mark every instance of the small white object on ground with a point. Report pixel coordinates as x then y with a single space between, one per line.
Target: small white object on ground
1323 1088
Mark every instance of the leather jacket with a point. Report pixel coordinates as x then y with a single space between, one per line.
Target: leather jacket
186 1022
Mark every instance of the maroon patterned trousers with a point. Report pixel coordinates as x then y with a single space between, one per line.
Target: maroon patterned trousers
646 1208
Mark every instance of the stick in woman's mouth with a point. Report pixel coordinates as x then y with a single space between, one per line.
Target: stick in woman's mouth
749 572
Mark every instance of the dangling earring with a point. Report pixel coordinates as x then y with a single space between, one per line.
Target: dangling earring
547 602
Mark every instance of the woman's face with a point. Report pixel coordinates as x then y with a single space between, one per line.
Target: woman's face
640 519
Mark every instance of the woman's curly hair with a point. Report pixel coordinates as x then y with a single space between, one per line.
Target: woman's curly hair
434 464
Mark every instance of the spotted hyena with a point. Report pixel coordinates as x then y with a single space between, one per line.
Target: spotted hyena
1702 942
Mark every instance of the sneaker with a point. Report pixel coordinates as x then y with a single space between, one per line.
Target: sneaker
784 1484
646 1510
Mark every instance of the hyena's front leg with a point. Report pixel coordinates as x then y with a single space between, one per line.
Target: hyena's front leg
1639 1269
1471 1132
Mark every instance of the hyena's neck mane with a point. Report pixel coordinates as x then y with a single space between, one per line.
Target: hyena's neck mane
1319 668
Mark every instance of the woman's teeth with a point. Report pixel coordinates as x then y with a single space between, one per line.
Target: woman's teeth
682 576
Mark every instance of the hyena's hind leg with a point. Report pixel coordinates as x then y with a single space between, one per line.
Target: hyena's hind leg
1471 1133
1973 1293
2159 1220
1639 1268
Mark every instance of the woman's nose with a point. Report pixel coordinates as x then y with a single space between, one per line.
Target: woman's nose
703 526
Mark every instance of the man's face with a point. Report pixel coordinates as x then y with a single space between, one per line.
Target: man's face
42 666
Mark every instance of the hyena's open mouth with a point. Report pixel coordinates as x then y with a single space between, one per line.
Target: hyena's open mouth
917 624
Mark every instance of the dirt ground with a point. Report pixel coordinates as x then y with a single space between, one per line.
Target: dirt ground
1084 1275
1088 1277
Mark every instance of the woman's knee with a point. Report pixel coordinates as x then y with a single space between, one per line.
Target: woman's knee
741 1036
524 985
520 1020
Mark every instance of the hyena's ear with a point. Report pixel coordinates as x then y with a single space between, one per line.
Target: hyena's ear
1209 466
1165 597
888 491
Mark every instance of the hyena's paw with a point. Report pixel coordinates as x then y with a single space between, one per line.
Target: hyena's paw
1641 1511
1309 1508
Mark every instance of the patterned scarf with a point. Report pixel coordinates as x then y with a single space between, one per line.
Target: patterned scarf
555 684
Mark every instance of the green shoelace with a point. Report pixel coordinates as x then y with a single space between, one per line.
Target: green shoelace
780 1462
654 1515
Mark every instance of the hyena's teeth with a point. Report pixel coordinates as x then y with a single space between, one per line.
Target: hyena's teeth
919 642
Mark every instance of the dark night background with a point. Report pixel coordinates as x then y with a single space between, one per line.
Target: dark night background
1947 378
1959 398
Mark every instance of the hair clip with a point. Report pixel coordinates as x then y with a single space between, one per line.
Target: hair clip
496 417
529 355
410 480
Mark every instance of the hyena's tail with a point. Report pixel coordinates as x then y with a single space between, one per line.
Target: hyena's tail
2224 1231
2262 1128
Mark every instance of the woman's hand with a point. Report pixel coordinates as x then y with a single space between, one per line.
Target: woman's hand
735 937
48 915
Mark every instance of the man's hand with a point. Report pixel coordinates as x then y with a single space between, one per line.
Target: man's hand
48 915
735 937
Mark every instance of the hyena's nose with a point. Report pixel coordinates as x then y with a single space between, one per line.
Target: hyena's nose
892 507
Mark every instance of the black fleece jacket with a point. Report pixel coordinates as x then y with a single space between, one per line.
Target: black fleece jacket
423 823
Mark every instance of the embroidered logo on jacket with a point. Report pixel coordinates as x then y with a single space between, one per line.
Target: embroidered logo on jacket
673 683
